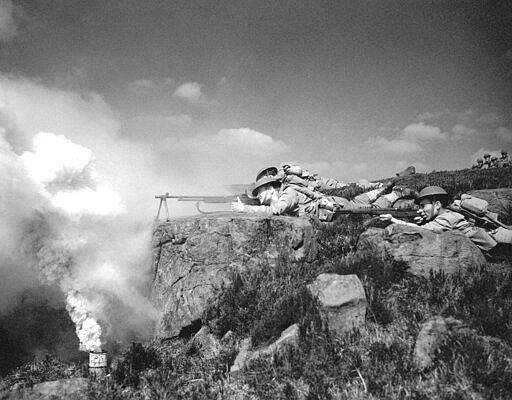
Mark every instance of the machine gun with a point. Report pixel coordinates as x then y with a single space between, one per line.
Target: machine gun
244 198
328 215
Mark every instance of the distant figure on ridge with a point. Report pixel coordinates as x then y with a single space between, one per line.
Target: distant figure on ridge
504 160
479 164
487 161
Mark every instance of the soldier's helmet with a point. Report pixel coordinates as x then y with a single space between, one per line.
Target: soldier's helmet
479 160
430 191
494 158
487 155
267 171
504 152
265 180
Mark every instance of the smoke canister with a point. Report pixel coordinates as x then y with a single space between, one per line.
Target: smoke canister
97 363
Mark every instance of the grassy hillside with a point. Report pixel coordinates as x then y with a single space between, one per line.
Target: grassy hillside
374 362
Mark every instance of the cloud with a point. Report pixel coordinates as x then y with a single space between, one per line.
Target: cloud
173 119
420 131
8 26
429 116
461 131
504 134
190 92
145 85
249 141
340 170
409 139
395 145
489 119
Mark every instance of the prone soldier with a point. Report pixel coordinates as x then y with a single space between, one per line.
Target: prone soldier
436 214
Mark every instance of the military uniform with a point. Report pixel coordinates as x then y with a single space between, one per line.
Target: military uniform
450 220
300 201
504 161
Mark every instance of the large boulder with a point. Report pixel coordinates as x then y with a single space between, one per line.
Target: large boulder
500 200
342 301
423 250
194 257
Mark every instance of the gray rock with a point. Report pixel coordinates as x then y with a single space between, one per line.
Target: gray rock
447 331
423 250
208 344
289 337
194 257
63 389
342 299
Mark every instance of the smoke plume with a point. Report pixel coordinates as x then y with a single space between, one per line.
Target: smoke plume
61 224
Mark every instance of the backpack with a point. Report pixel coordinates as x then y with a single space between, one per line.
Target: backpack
475 210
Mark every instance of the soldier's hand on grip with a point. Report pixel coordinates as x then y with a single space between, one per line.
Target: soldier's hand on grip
237 205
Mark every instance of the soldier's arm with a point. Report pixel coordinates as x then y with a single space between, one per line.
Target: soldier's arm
286 203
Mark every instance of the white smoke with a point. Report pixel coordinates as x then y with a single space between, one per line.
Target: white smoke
72 232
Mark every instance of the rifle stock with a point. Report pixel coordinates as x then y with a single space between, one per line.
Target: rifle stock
328 215
395 212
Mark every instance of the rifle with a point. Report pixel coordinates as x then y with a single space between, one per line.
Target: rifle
244 198
328 215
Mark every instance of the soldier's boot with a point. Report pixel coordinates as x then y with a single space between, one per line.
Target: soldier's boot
368 198
398 192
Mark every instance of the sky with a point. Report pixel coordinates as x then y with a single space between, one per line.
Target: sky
187 96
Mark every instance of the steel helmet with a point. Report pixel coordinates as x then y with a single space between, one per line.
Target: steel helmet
479 160
503 152
486 155
494 158
264 180
267 171
430 191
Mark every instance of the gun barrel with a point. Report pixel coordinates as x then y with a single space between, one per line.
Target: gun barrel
379 211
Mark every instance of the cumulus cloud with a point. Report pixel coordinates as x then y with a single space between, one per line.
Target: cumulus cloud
246 140
189 91
8 25
395 145
430 116
420 131
461 131
409 140
336 169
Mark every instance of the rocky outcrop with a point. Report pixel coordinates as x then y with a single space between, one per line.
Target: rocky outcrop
342 301
289 338
500 200
194 257
423 250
